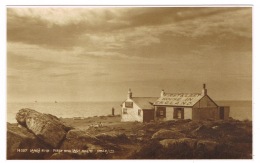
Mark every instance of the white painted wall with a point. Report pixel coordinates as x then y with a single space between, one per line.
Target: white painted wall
132 113
169 113
187 113
170 110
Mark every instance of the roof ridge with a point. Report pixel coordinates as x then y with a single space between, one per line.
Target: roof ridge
145 102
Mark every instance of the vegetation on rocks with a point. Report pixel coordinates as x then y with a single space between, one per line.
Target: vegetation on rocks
106 137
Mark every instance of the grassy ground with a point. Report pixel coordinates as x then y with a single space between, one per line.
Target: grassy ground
96 125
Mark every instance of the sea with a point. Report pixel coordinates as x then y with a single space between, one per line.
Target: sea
240 110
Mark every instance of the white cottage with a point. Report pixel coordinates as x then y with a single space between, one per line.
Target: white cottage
139 109
169 106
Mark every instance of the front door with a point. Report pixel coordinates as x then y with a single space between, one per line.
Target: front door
148 115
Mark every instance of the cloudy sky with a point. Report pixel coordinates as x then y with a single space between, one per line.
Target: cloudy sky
96 54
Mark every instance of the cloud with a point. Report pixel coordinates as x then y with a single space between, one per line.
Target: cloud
75 35
60 28
64 16
37 32
100 74
42 54
232 23
66 52
65 28
113 17
103 54
62 74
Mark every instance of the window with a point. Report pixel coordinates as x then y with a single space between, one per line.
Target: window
129 104
124 110
178 113
139 112
161 112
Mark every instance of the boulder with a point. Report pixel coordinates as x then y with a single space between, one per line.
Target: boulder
46 127
113 137
79 139
141 133
201 128
167 134
20 141
171 142
80 134
208 145
205 131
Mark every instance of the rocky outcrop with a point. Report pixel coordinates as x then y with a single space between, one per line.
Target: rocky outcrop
79 139
80 134
19 141
205 131
82 140
46 127
36 131
207 145
167 134
113 137
174 142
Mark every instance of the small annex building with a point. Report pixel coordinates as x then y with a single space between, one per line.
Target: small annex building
139 109
169 106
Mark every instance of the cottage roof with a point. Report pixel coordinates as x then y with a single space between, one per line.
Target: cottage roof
145 102
178 99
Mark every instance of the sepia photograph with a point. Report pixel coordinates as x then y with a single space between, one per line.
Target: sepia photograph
129 82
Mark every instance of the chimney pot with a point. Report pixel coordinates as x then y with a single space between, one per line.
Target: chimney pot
162 93
129 94
204 90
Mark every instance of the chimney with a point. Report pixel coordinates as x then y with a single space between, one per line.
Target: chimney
129 94
204 90
162 93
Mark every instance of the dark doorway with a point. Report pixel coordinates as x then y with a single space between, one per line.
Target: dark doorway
221 113
148 115
178 113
